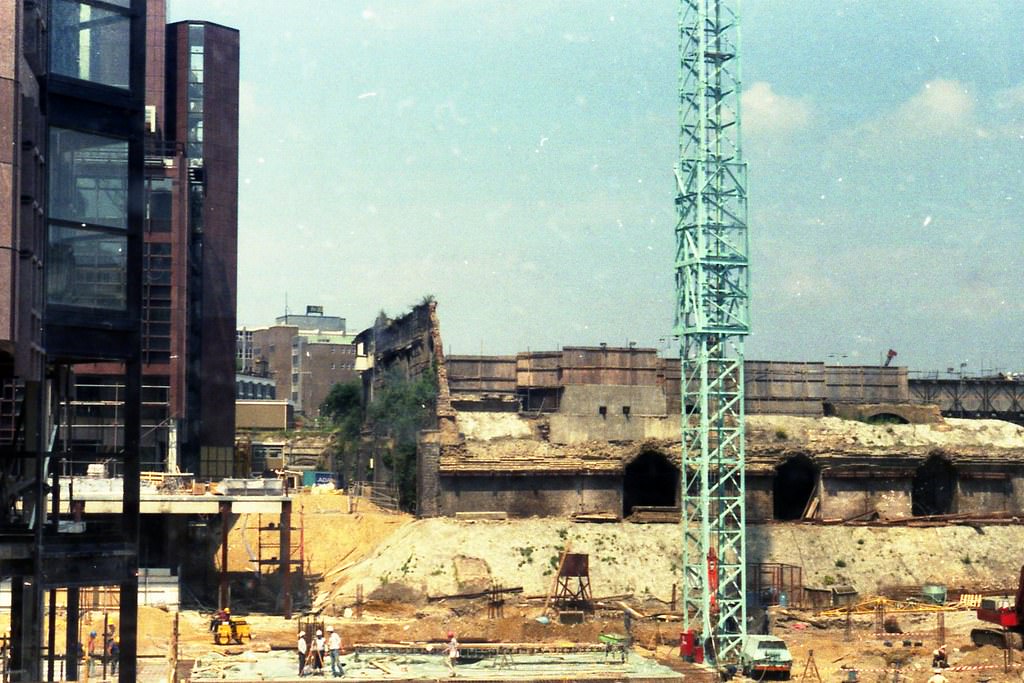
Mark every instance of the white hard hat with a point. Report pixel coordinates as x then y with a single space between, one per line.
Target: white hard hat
302 634
319 632
330 628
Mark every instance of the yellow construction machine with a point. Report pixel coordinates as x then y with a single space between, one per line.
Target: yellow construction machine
232 630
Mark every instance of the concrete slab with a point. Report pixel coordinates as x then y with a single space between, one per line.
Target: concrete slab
517 668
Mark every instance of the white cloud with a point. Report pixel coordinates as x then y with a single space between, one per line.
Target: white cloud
767 112
941 107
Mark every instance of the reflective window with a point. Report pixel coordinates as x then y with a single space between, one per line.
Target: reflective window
88 178
90 43
86 268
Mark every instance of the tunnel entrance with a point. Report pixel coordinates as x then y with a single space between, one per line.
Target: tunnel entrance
796 481
651 479
934 491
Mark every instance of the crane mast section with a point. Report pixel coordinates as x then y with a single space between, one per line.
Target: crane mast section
712 320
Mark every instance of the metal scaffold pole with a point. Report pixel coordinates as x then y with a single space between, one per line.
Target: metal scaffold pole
712 320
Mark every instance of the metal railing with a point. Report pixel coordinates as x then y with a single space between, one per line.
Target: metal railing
381 495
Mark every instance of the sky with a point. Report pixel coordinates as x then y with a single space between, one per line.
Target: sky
514 160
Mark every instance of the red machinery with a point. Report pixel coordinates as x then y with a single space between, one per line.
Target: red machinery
1009 618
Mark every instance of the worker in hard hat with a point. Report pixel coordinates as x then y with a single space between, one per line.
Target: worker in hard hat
939 660
91 650
319 645
334 648
302 649
451 653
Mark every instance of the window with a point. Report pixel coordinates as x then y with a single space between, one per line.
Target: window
86 269
88 178
91 43
88 207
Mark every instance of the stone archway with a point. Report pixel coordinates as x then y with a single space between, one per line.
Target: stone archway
796 481
934 487
650 480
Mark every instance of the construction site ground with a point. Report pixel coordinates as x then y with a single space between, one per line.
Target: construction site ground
406 567
408 570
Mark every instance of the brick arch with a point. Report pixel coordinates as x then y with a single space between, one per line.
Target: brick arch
934 487
649 478
891 415
795 482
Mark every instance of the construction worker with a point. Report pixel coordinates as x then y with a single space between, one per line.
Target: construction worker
334 647
115 655
939 660
302 648
91 650
319 645
222 616
110 649
937 676
451 653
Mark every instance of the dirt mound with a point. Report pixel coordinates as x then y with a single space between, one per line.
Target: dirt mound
644 560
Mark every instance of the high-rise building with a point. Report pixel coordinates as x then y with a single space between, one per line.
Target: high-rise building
189 286
72 84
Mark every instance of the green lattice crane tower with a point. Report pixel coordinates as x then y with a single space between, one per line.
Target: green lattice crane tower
712 321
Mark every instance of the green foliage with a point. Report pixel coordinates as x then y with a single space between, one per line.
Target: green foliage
343 407
781 434
399 410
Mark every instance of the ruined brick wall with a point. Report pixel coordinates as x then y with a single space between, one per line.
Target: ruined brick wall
845 497
428 479
531 495
982 494
759 498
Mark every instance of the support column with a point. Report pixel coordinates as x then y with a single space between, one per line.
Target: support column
26 629
285 556
225 524
129 609
71 636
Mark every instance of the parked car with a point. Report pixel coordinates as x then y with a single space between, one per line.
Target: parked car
763 655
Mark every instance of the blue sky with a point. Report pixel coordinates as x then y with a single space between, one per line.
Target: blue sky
514 159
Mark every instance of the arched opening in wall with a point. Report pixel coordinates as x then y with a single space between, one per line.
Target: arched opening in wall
796 481
650 480
934 491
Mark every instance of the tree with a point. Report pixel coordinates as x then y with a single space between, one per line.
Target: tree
399 411
343 406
